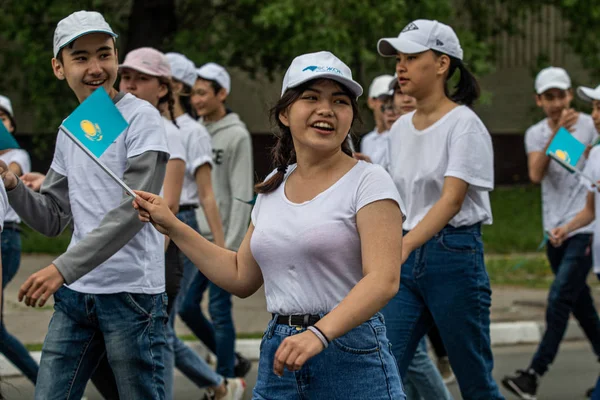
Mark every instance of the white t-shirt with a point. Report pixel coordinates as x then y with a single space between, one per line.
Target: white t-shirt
562 195
174 141
375 145
197 143
457 145
20 157
309 253
139 266
592 169
4 207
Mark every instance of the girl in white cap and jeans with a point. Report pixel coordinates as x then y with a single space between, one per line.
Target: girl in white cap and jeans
324 239
443 169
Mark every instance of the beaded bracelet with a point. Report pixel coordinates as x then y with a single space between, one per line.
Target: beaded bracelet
320 335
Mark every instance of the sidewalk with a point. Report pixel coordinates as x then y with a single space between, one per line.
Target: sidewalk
517 314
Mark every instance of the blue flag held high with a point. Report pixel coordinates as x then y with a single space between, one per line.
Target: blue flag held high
7 141
94 126
567 151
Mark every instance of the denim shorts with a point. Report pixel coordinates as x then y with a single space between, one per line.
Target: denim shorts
358 365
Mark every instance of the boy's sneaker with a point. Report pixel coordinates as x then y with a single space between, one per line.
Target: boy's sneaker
443 364
242 366
235 389
524 384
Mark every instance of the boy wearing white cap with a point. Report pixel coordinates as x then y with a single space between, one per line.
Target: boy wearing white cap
232 177
562 198
374 144
114 300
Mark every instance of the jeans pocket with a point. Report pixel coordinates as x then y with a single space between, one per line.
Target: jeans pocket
460 242
143 304
360 340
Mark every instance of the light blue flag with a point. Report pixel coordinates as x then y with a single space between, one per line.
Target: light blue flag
566 147
7 141
96 122
94 126
567 150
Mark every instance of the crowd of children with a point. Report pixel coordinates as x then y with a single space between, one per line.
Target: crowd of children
362 254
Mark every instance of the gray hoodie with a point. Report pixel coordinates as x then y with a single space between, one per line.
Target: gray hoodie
232 178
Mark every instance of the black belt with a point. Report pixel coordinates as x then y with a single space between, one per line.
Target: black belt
12 226
188 207
298 320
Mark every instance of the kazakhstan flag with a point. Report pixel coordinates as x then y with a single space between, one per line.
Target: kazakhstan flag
565 148
96 123
94 126
7 141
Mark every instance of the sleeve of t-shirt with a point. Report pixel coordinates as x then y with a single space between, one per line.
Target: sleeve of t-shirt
21 158
534 141
175 143
591 169
471 159
146 132
199 150
376 184
3 204
58 161
256 208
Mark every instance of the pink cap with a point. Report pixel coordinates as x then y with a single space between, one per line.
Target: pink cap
148 61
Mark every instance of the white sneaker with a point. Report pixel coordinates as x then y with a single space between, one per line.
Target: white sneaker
235 389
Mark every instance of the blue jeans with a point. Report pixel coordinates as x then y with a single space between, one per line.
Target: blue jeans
219 333
423 379
358 365
188 362
569 293
10 346
129 328
445 281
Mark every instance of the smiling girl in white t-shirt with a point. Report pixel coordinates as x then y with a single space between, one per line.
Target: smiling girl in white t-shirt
442 165
325 239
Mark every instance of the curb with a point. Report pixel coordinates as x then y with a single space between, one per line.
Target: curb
501 334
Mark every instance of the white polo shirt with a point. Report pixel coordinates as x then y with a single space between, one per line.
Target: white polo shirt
139 266
457 145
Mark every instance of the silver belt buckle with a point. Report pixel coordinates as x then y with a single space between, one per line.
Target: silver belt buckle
290 320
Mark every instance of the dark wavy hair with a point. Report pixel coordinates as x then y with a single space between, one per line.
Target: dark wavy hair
283 153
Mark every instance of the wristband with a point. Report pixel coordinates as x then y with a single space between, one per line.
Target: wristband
320 335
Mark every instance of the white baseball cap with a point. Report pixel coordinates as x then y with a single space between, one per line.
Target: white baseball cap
182 68
589 94
381 86
78 24
552 78
320 65
6 105
214 72
422 35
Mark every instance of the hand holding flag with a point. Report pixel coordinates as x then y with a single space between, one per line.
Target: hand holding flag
567 150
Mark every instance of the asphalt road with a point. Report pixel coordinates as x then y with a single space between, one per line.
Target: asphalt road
574 371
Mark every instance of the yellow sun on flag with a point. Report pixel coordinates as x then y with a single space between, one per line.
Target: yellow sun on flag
92 131
563 155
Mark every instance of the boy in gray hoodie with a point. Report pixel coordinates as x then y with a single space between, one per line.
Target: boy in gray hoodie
232 178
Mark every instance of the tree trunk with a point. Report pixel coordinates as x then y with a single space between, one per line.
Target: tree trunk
151 22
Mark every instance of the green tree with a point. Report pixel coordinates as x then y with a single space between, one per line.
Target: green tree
262 36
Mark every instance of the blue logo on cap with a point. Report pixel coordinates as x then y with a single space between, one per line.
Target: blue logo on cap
316 68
